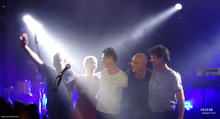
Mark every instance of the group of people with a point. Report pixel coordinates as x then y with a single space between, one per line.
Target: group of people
145 93
18 110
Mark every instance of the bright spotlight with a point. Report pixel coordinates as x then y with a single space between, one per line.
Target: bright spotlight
188 105
151 23
34 26
178 6
27 18
41 36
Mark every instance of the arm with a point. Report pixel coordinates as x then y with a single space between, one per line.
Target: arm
181 102
149 70
98 74
34 57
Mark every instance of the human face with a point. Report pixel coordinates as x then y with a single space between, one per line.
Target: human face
137 64
105 60
157 62
91 64
58 63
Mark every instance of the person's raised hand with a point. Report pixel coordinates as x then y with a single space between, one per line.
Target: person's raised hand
24 39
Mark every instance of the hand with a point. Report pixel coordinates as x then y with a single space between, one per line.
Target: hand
24 39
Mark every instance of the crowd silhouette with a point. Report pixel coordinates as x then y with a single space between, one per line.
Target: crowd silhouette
18 110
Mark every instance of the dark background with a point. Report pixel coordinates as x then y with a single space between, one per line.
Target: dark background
85 27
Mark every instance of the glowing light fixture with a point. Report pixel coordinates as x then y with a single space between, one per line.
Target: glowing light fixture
178 6
34 26
188 105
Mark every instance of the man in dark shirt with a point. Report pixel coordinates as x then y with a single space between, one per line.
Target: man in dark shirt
62 106
136 93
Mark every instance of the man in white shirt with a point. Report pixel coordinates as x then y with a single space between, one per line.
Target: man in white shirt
112 81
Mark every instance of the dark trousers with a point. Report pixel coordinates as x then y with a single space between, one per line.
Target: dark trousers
102 115
163 115
61 112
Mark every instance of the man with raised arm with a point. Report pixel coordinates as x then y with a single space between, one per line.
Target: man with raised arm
62 106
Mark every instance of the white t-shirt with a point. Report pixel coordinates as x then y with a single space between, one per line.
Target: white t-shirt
110 91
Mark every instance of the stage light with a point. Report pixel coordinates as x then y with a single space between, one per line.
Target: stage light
188 105
27 18
151 23
178 6
41 36
144 28
34 26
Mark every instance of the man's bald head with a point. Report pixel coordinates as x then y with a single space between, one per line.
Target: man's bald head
141 56
139 63
59 61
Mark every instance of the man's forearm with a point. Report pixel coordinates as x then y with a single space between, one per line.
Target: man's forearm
181 103
181 108
34 57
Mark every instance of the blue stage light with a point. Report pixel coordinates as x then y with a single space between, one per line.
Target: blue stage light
188 105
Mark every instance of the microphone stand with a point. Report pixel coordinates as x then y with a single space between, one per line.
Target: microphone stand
38 72
54 93
36 42
202 66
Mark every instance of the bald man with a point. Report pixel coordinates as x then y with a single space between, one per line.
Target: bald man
62 106
136 94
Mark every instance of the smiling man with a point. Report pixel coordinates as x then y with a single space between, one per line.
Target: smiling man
135 96
112 81
165 86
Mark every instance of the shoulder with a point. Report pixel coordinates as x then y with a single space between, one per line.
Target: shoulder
175 75
122 74
70 73
80 78
148 74
47 69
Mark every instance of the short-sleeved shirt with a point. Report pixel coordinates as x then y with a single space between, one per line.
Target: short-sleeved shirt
162 90
110 92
